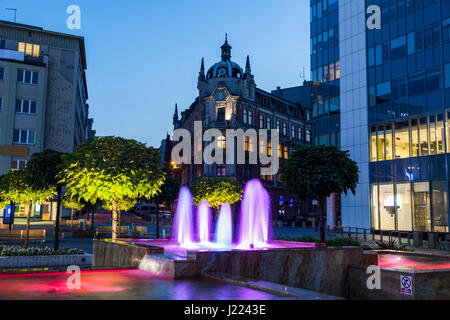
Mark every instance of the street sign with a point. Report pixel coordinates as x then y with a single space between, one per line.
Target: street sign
8 214
406 285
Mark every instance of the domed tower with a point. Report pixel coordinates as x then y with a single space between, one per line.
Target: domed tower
225 73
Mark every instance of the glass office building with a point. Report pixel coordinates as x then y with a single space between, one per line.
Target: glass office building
394 110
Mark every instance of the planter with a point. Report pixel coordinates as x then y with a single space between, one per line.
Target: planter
23 262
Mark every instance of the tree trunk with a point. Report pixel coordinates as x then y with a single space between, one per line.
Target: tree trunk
71 219
27 233
58 215
157 222
119 219
11 217
93 219
322 219
114 219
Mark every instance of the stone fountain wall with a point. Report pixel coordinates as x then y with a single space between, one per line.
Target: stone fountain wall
323 270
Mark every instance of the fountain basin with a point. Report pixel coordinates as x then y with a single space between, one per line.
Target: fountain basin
296 264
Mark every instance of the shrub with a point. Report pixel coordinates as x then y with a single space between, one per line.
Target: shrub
386 245
19 251
298 239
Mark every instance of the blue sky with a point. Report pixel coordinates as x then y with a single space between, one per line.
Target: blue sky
143 56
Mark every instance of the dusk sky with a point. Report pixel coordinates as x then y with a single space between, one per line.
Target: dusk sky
143 56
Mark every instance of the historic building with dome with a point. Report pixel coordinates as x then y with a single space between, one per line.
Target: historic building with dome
228 98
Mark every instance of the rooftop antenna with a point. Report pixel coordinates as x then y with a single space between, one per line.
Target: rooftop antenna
15 12
302 75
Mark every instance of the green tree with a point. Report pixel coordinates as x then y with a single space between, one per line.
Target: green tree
216 191
315 172
19 186
73 205
112 169
44 168
168 195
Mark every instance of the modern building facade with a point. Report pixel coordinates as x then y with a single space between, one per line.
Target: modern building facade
229 99
391 97
43 94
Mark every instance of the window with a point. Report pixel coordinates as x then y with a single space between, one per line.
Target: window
414 137
308 135
221 142
245 116
293 132
440 133
279 125
221 114
261 121
423 137
29 49
1 104
286 152
300 133
269 123
26 106
447 75
388 141
23 136
250 117
285 128
2 73
269 148
401 140
373 144
220 171
27 76
248 144
18 164
280 155
398 48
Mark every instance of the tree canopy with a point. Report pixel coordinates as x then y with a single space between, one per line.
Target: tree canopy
111 167
216 191
318 171
169 191
113 170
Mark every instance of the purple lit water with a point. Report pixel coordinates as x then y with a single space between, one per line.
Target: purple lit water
204 222
183 225
253 222
224 226
254 216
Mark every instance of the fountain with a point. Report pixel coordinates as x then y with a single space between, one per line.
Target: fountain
183 227
254 216
224 227
204 222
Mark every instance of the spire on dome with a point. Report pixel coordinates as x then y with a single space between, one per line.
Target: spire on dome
175 116
248 69
226 49
201 75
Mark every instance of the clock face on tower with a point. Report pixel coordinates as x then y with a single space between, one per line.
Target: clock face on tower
222 72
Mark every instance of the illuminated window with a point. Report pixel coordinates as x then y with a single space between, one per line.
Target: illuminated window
440 133
248 144
388 141
279 151
286 152
220 171
373 144
414 137
423 137
221 142
269 148
401 140
29 49
262 147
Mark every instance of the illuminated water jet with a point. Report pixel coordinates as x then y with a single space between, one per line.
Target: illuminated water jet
183 226
204 222
224 226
